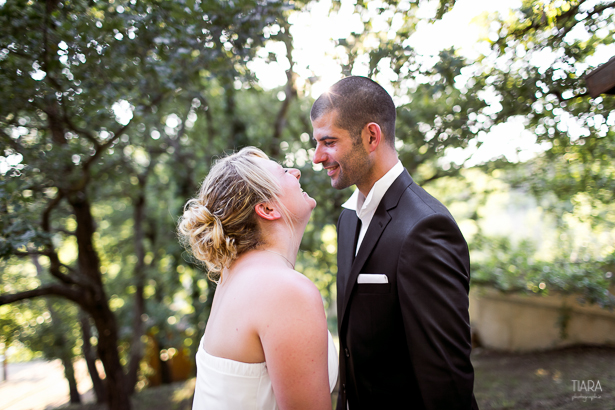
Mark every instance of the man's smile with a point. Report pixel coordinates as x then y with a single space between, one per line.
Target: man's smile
331 169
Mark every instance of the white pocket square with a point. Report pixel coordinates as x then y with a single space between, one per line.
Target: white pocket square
372 278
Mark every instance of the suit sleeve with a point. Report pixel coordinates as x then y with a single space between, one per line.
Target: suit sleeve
433 281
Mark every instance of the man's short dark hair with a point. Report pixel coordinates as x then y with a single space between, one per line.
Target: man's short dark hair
358 101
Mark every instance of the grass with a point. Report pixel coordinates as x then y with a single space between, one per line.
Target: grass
175 396
543 380
503 381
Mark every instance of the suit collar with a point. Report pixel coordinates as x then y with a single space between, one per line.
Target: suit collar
376 227
367 205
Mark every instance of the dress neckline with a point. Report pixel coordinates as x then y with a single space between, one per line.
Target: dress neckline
230 360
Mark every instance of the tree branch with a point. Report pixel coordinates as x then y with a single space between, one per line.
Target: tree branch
211 131
65 231
87 134
11 141
182 129
29 253
102 148
570 14
45 223
598 10
53 289
290 93
17 52
558 95
537 24
54 260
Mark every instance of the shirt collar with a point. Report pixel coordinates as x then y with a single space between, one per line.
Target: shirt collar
365 205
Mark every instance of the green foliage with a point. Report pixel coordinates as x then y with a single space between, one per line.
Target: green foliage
56 337
540 58
126 104
515 268
441 115
439 101
16 323
17 199
104 97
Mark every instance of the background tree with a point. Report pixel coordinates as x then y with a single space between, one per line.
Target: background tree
540 54
79 75
118 109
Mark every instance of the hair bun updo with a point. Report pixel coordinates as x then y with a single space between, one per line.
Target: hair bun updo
220 223
205 235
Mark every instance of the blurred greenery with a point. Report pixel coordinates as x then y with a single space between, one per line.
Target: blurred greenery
113 112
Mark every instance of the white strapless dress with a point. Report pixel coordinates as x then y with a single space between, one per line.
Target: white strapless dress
224 384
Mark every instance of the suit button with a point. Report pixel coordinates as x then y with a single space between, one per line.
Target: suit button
344 389
347 352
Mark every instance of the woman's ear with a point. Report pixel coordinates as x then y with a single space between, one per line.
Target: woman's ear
267 211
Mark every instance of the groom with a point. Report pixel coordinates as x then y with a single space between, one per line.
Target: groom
403 265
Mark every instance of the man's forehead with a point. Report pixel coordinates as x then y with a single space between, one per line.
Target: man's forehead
328 116
325 125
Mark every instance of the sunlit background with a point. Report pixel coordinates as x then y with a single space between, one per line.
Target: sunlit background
493 119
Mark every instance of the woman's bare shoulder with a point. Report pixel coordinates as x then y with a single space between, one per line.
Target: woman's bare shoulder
285 288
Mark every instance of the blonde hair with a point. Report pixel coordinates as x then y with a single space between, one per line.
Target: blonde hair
221 223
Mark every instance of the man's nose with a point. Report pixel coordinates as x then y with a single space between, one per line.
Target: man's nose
295 172
318 156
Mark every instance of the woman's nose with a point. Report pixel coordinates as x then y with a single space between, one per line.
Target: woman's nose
295 172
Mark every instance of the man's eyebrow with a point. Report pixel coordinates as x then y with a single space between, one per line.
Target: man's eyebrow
324 138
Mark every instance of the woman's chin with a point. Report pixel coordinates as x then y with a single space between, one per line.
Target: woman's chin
309 200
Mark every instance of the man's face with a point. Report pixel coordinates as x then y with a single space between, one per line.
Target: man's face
346 162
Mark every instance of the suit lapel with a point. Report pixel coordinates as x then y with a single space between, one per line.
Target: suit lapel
346 248
348 229
376 227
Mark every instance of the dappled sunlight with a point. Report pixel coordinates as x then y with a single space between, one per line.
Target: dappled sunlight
113 113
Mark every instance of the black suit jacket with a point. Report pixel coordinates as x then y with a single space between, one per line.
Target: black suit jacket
405 344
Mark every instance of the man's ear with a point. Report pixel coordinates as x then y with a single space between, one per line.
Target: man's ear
374 136
267 211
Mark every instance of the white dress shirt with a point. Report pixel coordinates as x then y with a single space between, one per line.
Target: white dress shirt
366 206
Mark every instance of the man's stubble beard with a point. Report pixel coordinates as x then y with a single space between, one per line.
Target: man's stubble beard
356 169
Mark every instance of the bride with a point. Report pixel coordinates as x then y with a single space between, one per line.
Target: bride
266 344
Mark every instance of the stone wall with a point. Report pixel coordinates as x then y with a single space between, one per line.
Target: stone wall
534 322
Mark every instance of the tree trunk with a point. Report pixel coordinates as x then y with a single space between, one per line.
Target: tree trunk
5 363
117 396
165 371
69 373
97 305
136 347
66 355
237 138
289 91
90 358
197 305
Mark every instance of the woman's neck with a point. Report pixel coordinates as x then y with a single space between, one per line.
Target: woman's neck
284 241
